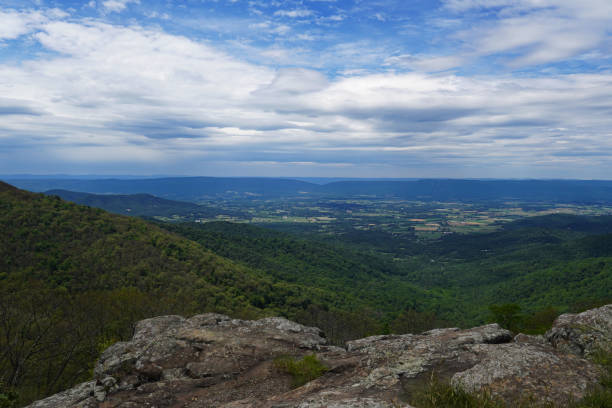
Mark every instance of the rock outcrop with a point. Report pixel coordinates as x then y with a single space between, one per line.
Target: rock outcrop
211 360
583 334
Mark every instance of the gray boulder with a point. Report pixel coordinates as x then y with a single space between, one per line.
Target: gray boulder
80 396
584 333
519 371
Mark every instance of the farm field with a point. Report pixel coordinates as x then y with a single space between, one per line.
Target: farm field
423 220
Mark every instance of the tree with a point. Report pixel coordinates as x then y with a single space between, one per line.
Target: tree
508 315
411 321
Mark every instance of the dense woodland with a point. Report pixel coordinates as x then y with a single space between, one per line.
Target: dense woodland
74 279
557 262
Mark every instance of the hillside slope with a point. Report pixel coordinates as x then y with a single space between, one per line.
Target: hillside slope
372 281
142 205
80 248
74 279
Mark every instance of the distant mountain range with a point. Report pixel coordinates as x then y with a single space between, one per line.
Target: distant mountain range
178 188
196 189
142 205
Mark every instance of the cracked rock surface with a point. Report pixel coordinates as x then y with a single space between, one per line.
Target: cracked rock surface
584 333
211 360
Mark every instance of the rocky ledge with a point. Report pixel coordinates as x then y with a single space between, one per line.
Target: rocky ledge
212 360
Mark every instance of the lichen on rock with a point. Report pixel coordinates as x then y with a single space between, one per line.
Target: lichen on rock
584 333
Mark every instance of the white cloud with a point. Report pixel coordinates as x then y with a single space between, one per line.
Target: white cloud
111 81
281 29
293 81
117 6
532 32
156 14
334 17
585 8
538 39
305 37
380 17
426 63
112 92
294 13
15 23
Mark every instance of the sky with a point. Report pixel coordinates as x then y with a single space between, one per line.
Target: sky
308 88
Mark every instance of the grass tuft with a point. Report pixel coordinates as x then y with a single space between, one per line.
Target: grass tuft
301 370
439 394
8 398
601 396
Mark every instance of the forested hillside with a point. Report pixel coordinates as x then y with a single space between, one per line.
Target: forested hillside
142 205
74 279
554 263
374 284
77 248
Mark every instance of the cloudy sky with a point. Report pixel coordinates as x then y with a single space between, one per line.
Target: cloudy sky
380 88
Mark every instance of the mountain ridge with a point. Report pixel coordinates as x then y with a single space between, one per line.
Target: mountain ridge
142 204
199 188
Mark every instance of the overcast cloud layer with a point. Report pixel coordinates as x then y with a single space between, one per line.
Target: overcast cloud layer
454 88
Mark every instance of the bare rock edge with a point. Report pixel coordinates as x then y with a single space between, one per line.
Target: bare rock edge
211 360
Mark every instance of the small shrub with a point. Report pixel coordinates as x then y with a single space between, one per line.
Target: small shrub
508 316
301 370
106 342
601 396
8 398
603 358
439 394
540 321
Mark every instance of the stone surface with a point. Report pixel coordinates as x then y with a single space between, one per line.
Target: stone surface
521 371
73 397
212 360
583 334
